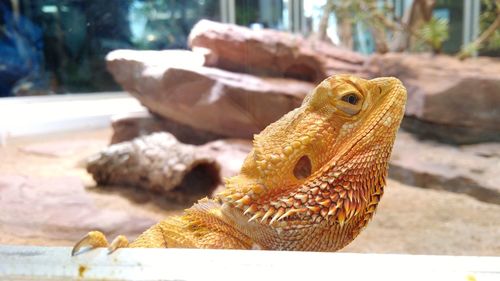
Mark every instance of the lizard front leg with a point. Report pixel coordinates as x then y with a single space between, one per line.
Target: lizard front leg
154 237
202 226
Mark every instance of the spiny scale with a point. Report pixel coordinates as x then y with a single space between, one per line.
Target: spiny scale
278 214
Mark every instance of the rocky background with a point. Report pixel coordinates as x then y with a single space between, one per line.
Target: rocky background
231 85
237 81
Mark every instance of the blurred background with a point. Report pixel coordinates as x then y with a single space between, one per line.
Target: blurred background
53 47
106 105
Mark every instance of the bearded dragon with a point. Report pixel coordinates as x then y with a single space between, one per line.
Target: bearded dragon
311 182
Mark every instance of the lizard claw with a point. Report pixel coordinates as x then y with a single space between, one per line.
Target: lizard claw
93 239
119 242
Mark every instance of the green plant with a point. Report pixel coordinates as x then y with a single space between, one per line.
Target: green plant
390 32
490 26
490 18
433 33
371 13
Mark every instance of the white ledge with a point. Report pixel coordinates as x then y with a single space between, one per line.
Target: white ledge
25 116
56 263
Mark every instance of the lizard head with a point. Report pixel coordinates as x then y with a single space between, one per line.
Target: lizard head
337 142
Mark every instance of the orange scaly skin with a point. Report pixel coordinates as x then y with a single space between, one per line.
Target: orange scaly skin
312 181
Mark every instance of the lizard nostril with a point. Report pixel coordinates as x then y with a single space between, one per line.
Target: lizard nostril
303 168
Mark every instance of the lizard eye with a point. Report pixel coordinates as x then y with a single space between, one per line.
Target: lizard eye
350 103
351 98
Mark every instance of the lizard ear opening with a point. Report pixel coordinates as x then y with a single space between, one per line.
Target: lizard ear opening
303 168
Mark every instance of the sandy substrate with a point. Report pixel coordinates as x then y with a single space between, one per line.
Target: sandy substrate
47 198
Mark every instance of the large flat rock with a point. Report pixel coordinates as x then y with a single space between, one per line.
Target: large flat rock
271 53
46 200
59 208
221 102
450 100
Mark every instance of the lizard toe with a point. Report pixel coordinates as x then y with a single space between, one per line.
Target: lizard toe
93 239
119 242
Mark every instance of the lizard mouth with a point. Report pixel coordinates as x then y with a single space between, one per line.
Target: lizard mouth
394 97
394 101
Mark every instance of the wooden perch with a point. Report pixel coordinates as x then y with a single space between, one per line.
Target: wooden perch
159 163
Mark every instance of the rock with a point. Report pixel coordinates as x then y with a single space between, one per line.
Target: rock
157 61
270 53
158 163
47 198
40 210
419 221
452 134
229 153
223 103
468 169
57 149
132 125
449 100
